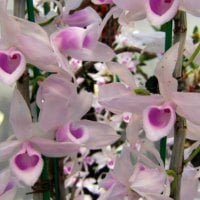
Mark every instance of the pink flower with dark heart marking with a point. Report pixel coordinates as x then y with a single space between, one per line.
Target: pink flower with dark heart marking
29 38
25 152
82 43
159 111
157 11
61 111
132 181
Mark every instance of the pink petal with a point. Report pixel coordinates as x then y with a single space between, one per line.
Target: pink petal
51 148
12 65
132 5
159 11
189 183
93 135
101 52
70 38
8 148
192 7
82 18
116 192
193 131
188 105
123 167
133 129
61 96
164 71
99 2
147 180
20 117
158 121
124 74
4 177
27 165
118 98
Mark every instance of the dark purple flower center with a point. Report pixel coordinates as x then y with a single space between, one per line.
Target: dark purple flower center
24 161
9 63
76 132
160 7
159 117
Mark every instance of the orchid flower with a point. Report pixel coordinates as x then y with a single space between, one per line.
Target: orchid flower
134 180
93 135
157 11
25 152
67 111
158 110
7 185
59 96
81 43
28 38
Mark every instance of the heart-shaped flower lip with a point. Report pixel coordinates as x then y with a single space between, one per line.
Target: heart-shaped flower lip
9 63
25 161
159 117
77 134
12 65
158 121
160 7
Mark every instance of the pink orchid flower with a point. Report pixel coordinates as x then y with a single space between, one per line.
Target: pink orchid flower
7 185
158 110
57 93
59 102
82 43
157 12
29 38
142 179
25 152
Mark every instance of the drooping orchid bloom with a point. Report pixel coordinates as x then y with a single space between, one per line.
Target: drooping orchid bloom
82 43
59 96
28 38
25 152
143 178
7 185
159 111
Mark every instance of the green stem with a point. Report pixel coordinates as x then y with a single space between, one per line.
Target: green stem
44 177
192 156
193 56
30 10
168 43
56 178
